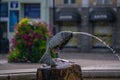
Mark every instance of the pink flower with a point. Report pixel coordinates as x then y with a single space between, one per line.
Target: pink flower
37 36
25 37
14 42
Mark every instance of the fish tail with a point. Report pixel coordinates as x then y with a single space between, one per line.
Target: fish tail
47 59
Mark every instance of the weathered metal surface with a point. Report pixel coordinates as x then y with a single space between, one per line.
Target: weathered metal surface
56 42
64 70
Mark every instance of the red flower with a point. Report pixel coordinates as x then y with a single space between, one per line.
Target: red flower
14 42
29 45
37 36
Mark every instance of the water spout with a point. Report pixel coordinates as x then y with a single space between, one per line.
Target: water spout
88 34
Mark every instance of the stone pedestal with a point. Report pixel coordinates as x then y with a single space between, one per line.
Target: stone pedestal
64 70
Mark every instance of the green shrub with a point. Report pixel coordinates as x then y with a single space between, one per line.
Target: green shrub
29 42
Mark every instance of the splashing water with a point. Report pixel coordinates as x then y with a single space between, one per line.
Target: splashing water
88 34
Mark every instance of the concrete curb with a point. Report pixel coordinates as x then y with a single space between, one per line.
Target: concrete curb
30 74
101 73
19 76
17 71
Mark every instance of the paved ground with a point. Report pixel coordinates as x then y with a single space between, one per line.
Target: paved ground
86 60
94 60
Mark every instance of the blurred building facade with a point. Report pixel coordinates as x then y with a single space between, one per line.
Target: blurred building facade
98 17
11 11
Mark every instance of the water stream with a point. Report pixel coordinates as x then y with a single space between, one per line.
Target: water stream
88 34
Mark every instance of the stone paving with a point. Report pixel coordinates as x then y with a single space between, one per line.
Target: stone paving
86 60
101 66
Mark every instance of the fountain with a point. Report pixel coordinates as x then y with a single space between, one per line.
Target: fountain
61 39
60 69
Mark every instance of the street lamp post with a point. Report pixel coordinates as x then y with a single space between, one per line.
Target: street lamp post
54 28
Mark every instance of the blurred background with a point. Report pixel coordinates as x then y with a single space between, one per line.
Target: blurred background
97 17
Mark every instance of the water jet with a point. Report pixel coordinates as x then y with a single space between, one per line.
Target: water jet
61 39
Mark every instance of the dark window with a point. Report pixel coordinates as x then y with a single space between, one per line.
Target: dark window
103 1
32 10
3 9
66 1
72 1
69 1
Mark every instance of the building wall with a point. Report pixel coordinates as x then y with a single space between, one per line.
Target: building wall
117 30
91 2
44 13
84 8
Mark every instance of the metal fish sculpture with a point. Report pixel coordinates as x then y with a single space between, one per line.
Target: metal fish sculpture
57 41
60 40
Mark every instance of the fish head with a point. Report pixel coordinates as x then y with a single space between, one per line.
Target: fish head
66 35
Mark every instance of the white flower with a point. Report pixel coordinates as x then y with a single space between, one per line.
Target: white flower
30 23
